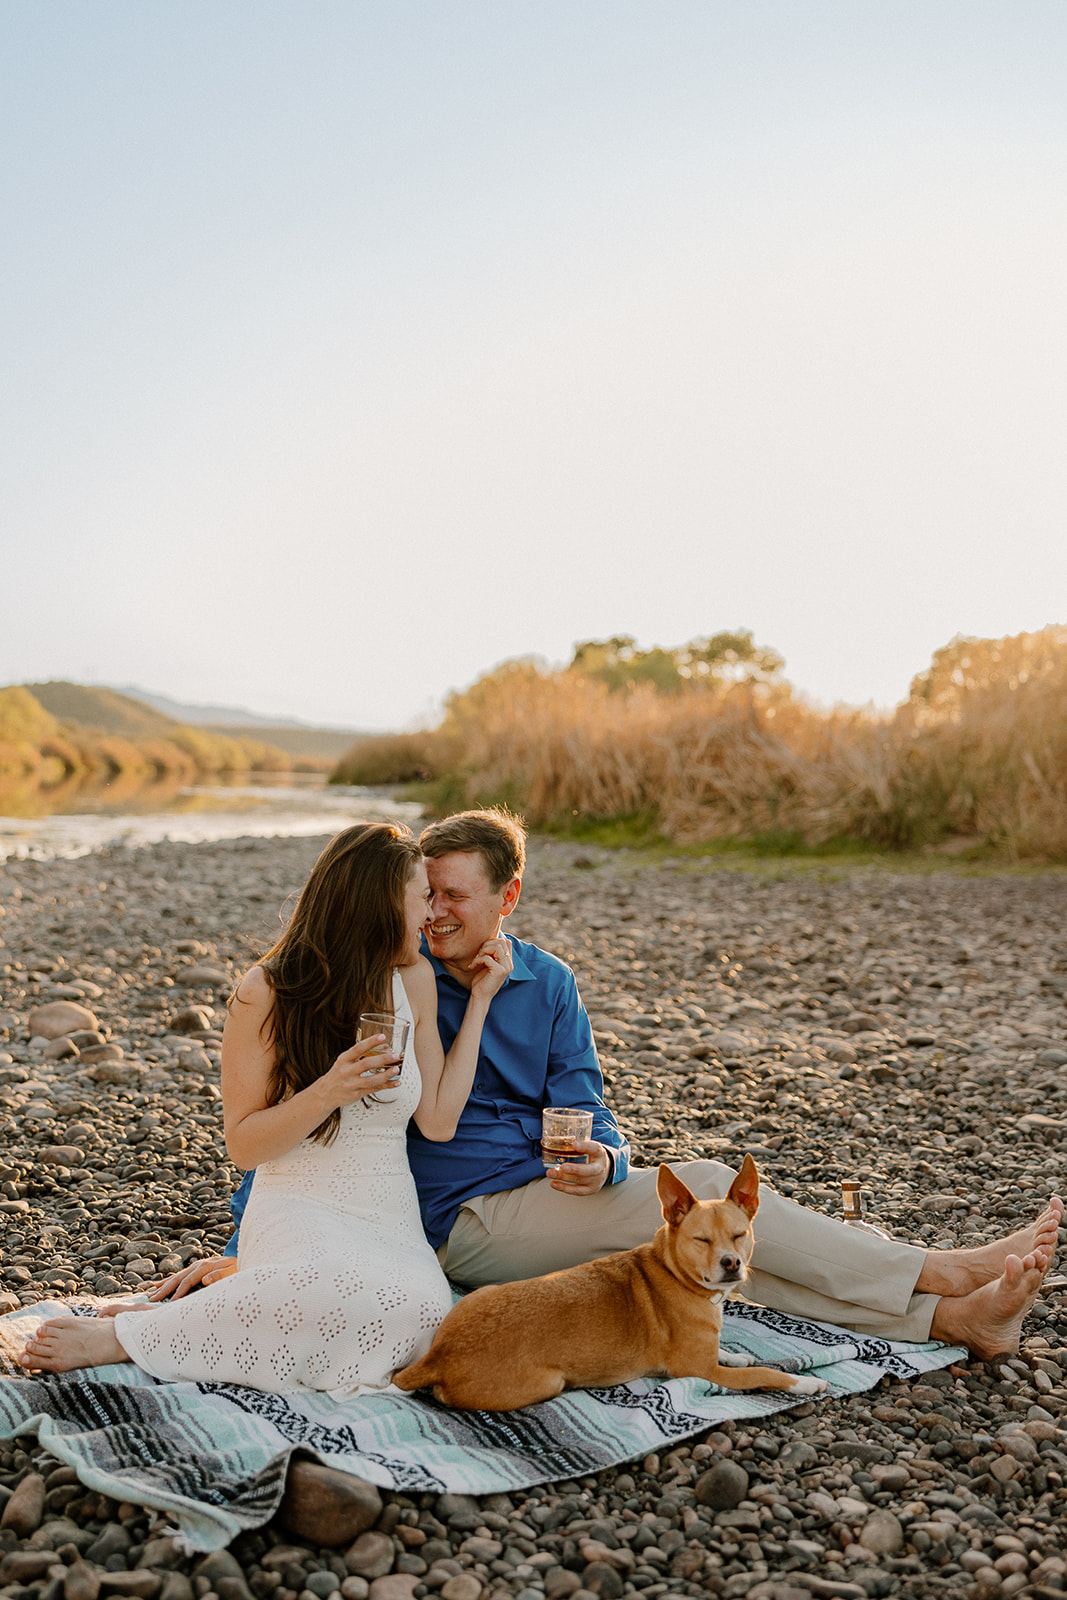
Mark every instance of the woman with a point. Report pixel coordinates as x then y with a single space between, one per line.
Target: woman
336 1285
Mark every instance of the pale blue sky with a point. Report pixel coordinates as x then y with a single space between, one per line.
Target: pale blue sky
351 348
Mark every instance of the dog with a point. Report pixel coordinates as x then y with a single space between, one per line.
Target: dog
651 1312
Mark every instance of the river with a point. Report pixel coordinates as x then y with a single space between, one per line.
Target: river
296 804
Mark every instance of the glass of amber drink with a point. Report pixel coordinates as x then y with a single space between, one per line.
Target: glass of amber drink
396 1031
562 1130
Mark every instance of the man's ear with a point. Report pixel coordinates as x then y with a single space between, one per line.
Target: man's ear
511 894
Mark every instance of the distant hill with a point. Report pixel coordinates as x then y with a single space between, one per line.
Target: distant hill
102 710
128 716
300 739
316 744
227 717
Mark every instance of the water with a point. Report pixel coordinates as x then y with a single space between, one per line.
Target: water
197 813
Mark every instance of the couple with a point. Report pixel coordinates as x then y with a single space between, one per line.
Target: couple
337 1285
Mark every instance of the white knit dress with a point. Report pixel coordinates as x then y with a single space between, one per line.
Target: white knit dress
336 1285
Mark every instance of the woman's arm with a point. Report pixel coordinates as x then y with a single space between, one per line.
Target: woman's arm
258 1132
447 1080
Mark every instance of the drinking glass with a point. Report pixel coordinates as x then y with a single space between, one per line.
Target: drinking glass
562 1128
396 1031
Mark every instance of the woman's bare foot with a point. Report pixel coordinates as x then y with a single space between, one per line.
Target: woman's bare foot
65 1343
960 1272
989 1320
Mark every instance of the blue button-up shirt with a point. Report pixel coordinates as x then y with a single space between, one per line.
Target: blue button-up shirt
536 1050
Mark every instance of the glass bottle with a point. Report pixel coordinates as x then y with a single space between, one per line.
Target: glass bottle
854 1208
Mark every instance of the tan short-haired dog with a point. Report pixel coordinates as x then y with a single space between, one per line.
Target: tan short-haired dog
653 1311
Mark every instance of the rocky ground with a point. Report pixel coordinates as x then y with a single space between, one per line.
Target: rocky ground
909 1032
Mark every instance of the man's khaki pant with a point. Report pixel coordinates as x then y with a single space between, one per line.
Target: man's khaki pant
804 1263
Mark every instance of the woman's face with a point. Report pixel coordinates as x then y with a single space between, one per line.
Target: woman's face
417 914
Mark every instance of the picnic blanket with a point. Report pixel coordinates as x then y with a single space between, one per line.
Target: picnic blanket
213 1457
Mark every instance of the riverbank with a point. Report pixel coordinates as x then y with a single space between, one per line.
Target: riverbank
911 1033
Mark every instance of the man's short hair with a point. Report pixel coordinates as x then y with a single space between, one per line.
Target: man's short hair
497 836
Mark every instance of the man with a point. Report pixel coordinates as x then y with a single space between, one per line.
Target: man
494 1215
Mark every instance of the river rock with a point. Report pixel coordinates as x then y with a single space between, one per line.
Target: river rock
723 1487
60 1049
397 1586
24 1510
82 1581
190 1019
202 976
463 1586
61 1155
102 1052
370 1556
122 1073
59 1017
882 1533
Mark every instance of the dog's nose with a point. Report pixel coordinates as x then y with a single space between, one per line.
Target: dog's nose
731 1266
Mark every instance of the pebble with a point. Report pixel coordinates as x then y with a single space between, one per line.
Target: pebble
24 1510
882 1533
911 1036
59 1018
723 1487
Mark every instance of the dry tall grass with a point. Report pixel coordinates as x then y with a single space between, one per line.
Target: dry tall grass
979 749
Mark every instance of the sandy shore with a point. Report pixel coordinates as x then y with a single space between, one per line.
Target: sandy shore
907 1031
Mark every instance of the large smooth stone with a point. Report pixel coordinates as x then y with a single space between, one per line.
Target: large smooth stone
60 1017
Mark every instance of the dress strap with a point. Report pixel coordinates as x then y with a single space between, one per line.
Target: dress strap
401 1004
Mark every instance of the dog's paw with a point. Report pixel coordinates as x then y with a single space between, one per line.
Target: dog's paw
809 1385
735 1358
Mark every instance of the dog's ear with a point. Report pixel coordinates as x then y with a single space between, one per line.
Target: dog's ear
674 1197
744 1191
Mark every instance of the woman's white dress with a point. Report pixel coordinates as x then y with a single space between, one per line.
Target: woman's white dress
337 1286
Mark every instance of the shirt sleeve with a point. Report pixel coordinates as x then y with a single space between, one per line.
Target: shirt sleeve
575 1079
237 1211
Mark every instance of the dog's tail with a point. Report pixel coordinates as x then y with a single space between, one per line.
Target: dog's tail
420 1375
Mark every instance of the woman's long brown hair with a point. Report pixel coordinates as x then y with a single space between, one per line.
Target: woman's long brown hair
337 955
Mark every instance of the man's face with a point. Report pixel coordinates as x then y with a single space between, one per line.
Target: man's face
466 910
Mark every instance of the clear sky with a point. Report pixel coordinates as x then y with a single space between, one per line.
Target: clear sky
349 348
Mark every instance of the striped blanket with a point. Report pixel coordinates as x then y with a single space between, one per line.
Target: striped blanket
213 1457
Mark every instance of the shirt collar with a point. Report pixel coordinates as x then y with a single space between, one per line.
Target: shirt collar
520 972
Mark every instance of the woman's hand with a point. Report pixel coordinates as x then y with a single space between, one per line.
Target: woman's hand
492 967
197 1275
361 1070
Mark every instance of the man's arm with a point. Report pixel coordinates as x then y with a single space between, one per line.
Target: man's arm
574 1079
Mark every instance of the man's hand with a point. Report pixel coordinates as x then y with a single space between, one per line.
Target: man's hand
586 1179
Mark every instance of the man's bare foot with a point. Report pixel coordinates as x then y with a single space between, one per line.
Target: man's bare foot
989 1320
65 1343
960 1272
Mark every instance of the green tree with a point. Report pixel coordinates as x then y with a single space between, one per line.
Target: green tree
716 660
